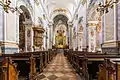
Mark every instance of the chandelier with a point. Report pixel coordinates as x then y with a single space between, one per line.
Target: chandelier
6 6
104 7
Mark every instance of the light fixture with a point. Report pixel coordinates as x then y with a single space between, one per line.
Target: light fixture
6 6
104 7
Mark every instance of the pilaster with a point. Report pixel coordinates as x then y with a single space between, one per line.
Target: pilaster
50 35
70 25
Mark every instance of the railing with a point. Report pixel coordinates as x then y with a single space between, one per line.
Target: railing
24 65
79 60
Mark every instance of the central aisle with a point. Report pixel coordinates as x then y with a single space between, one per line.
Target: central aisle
58 69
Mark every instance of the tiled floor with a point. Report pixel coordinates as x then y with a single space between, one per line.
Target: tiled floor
59 69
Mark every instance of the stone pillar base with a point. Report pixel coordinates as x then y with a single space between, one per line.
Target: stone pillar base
8 48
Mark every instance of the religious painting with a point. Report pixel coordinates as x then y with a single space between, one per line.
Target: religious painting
80 32
80 37
92 33
81 28
60 39
92 38
60 36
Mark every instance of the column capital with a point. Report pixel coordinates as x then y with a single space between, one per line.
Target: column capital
70 24
27 22
50 24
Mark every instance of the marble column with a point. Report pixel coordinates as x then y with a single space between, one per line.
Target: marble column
50 35
28 35
70 25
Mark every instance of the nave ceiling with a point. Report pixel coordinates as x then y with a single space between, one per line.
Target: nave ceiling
66 7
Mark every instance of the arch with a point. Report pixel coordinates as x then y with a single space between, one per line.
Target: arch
25 30
25 12
22 3
60 30
67 16
60 17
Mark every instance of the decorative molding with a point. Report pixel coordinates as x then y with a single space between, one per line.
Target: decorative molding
70 24
112 50
91 24
111 44
9 44
38 29
59 10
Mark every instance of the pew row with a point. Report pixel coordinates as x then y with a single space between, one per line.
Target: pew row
108 69
24 65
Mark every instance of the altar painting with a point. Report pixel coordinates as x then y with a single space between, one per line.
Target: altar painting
60 36
60 39
92 39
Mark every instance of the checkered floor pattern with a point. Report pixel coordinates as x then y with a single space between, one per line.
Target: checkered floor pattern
58 69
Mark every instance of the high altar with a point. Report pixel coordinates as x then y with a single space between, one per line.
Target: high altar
60 39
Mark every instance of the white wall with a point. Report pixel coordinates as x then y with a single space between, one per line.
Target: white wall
76 42
1 24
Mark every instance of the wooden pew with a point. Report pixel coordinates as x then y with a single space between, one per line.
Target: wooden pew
78 58
118 73
8 69
24 65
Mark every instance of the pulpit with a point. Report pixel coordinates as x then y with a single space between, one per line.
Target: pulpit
38 37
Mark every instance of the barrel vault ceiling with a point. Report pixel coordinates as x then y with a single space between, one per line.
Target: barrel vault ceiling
69 5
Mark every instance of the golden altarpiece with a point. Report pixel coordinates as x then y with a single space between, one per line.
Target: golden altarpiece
60 39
